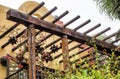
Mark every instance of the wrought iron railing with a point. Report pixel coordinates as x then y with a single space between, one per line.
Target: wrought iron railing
23 73
20 74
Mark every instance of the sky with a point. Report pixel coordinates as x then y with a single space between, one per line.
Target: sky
87 9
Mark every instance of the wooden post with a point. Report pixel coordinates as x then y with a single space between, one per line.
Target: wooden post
31 47
65 51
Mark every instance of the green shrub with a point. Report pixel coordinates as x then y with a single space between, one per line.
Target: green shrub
108 70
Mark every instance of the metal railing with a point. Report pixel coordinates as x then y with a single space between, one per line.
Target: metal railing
20 74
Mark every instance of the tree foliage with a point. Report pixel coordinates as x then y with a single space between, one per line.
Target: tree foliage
110 8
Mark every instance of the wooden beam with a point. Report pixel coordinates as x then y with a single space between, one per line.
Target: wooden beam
91 29
60 31
101 32
8 42
82 25
43 17
108 37
31 48
77 53
116 40
75 29
65 25
71 21
60 47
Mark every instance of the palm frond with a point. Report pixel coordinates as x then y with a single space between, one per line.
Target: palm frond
118 35
110 8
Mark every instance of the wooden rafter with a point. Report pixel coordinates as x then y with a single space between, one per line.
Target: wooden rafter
15 25
60 31
17 36
54 21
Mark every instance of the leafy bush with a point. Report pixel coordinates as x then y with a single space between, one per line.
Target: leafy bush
108 70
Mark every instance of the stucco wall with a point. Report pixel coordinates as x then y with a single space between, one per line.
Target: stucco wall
5 24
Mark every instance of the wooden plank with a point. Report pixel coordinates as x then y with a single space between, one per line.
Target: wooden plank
31 48
60 31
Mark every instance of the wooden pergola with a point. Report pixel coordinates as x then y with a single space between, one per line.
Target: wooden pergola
65 34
